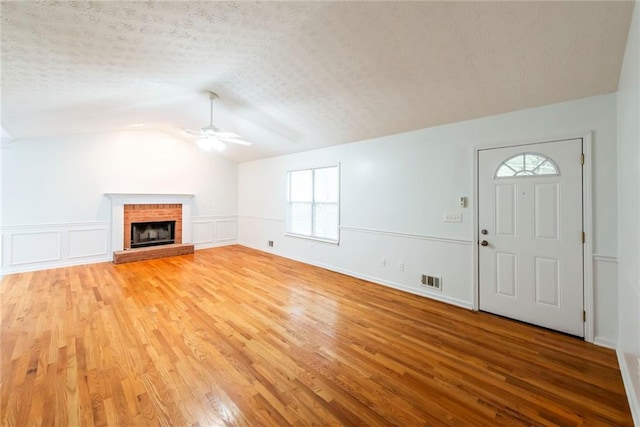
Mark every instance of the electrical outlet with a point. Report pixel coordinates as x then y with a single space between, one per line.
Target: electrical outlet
452 217
401 266
270 243
383 262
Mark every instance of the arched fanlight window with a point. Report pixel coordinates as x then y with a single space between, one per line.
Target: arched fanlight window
527 164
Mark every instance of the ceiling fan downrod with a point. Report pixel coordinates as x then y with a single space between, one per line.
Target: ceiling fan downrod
212 96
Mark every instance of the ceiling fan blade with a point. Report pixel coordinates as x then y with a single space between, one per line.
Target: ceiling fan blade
223 134
234 140
192 132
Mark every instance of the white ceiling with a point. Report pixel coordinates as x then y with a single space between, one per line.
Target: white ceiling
298 75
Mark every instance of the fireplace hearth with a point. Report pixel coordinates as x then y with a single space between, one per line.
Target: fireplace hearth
152 233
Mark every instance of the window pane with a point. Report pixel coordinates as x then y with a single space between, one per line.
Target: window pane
300 218
326 225
517 162
505 171
533 160
301 186
547 168
326 185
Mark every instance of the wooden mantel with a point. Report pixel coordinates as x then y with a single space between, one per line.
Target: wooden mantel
150 197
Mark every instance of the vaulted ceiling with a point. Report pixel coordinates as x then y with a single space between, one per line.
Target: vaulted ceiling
292 76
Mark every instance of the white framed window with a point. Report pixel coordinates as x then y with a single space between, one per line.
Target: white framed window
313 203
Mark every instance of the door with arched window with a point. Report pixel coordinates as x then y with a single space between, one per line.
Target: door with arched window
530 234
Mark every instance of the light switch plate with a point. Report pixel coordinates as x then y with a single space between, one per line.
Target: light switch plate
453 217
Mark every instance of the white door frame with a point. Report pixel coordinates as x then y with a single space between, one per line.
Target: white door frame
587 209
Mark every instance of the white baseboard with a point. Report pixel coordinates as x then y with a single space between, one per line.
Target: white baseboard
60 264
210 245
603 342
632 396
442 298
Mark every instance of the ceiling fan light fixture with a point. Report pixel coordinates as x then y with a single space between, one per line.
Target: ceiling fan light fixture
205 144
219 146
210 144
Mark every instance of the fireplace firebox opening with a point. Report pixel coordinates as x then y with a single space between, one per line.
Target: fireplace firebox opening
152 233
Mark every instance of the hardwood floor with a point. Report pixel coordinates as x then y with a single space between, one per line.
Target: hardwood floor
233 336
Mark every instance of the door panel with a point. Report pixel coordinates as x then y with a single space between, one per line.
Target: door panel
506 210
506 274
531 269
547 281
546 214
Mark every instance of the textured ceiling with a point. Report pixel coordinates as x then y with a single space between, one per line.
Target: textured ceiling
298 75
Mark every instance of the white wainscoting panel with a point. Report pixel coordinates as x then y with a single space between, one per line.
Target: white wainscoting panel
226 230
605 301
35 246
89 242
43 246
214 230
203 232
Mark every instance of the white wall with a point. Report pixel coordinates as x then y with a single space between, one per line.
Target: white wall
4 138
54 211
395 189
629 216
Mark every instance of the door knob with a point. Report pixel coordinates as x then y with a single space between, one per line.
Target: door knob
484 243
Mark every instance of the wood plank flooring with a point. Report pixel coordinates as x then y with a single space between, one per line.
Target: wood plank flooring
233 336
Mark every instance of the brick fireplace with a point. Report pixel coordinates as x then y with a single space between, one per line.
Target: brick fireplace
140 212
129 207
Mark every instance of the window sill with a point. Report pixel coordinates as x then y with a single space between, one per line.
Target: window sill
315 239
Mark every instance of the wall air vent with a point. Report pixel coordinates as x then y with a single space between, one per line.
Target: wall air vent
431 282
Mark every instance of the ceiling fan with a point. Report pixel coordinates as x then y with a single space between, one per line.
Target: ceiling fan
214 132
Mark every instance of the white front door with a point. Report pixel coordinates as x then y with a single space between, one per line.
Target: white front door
530 234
